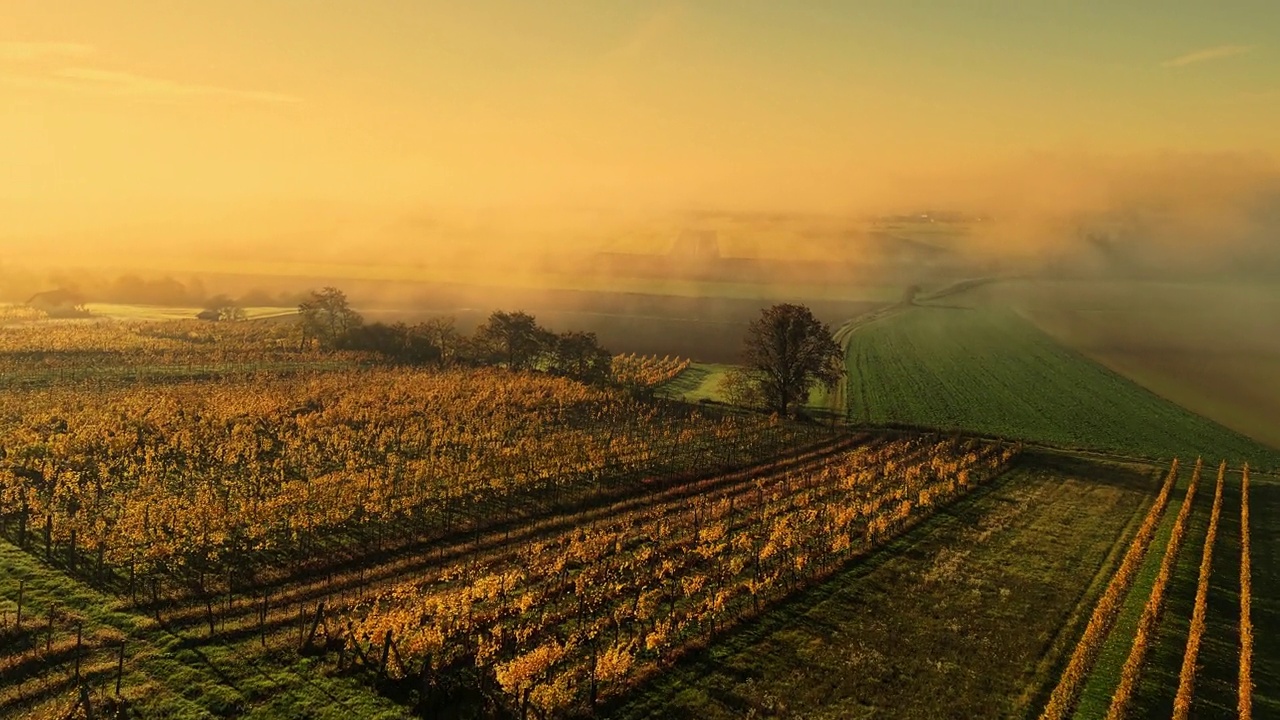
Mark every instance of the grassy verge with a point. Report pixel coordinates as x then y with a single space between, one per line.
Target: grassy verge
700 382
954 619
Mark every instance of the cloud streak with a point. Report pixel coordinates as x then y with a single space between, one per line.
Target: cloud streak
27 51
96 81
100 81
1206 54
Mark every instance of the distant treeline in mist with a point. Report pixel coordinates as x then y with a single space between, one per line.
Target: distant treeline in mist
132 289
513 340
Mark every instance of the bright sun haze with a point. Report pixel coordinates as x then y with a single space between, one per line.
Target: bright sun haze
142 111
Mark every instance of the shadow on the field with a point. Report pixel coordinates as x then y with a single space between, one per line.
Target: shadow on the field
1123 475
688 381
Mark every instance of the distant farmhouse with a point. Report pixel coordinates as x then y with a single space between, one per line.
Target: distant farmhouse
59 304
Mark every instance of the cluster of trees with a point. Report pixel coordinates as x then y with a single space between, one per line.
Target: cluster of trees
513 340
787 350
223 307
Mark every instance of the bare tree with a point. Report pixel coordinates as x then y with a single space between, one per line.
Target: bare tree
442 334
787 352
327 317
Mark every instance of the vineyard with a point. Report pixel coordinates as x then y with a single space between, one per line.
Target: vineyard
560 621
1143 652
240 490
646 370
205 520
240 518
181 483
78 352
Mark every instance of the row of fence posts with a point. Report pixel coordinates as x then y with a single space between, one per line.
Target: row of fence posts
75 662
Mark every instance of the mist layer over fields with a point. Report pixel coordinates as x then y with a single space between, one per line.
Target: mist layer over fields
656 173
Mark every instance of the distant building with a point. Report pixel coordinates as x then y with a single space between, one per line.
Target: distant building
58 304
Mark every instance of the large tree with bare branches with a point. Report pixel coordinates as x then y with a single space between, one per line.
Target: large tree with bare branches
787 352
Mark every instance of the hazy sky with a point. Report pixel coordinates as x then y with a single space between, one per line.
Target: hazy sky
115 109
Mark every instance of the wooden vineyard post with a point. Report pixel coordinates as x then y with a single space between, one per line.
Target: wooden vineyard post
79 646
315 625
208 609
86 703
595 662
386 652
356 650
395 650
262 620
120 668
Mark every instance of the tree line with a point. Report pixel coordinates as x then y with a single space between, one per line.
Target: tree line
133 289
786 351
513 340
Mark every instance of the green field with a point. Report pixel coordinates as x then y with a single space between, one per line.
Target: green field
966 616
700 382
1211 347
989 371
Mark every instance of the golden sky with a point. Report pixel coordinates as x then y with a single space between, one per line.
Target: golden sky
138 110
